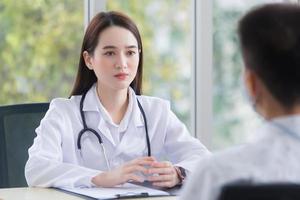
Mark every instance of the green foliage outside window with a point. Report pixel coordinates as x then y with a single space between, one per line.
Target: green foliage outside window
39 48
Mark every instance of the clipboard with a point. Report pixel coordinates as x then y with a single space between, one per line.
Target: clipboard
124 191
125 196
174 191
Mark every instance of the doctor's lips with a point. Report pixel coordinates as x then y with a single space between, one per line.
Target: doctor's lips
121 76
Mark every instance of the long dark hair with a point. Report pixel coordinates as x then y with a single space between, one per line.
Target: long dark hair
85 78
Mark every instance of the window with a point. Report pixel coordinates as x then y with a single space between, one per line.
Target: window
234 118
166 31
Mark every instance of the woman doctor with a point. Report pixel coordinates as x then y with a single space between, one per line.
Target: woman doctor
104 134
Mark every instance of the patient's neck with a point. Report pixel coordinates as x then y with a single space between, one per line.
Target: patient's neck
281 111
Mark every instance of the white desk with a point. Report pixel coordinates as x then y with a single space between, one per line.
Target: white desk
49 194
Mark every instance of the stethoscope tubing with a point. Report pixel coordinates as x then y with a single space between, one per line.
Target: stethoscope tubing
86 129
146 126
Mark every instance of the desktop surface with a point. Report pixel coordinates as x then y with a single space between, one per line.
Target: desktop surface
34 193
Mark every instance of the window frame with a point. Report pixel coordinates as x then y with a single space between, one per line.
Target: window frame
203 82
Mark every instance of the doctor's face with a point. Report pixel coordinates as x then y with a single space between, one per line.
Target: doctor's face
115 59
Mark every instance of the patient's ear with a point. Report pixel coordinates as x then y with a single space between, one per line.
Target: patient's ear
251 81
88 59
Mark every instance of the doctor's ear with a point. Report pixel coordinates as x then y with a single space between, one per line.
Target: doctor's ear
87 59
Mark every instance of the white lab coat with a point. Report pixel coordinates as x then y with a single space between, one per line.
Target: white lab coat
55 161
272 157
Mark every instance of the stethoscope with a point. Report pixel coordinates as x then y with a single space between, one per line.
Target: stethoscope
87 129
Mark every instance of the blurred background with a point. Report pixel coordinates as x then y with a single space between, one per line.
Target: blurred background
40 41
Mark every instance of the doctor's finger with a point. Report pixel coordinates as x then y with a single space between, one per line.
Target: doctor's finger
135 168
166 170
162 164
141 162
160 178
133 177
164 184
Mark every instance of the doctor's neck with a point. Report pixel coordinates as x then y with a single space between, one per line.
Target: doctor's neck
114 101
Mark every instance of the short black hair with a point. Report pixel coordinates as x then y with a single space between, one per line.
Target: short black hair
270 41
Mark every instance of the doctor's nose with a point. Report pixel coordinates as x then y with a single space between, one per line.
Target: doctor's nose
121 62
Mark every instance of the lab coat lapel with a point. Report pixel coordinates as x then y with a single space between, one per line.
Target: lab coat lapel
104 130
139 120
134 139
92 103
132 143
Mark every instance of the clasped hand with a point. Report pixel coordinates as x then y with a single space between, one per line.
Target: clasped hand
162 174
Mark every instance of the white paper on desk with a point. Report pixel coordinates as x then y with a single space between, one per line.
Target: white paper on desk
110 193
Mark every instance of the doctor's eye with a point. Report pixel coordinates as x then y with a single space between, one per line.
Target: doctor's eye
131 53
109 53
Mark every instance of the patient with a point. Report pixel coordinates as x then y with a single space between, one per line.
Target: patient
270 42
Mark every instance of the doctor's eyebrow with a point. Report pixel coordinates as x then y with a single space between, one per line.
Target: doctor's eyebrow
114 47
131 47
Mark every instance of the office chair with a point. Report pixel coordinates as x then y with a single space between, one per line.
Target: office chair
17 131
271 191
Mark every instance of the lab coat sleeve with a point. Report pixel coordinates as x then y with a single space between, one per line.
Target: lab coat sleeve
182 149
45 166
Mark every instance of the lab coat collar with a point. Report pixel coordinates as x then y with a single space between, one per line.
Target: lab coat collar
132 111
122 127
91 101
136 113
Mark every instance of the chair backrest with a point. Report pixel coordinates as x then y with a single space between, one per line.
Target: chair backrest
17 131
272 191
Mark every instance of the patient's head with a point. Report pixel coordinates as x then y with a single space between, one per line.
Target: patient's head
270 42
